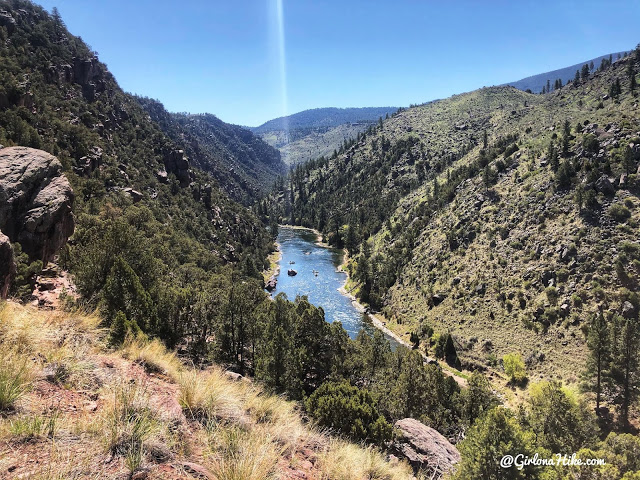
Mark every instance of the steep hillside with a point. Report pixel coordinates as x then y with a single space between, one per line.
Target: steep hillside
502 217
78 409
243 164
313 133
536 83
145 216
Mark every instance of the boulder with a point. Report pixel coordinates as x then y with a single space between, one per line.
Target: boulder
424 447
628 310
36 201
7 265
604 186
271 284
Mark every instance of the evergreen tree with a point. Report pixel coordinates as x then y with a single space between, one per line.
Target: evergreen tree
585 72
477 398
624 375
599 355
487 177
493 436
628 161
632 78
276 351
560 422
124 292
576 79
349 410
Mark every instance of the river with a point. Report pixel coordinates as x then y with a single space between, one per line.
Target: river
299 251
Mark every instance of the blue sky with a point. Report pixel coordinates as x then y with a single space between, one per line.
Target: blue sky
222 56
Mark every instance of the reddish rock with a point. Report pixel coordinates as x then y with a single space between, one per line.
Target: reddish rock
424 447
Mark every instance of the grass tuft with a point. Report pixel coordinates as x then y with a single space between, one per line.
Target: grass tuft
15 377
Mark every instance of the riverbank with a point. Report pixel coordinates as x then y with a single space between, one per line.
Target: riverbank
378 321
274 264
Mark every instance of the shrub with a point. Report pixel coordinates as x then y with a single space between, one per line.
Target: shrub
121 327
590 143
552 294
619 212
514 367
348 410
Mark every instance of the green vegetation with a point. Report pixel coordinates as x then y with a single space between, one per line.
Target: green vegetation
349 410
514 367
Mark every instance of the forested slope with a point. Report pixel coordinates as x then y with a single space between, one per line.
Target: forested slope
147 218
243 164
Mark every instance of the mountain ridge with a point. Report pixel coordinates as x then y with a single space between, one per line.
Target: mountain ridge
536 82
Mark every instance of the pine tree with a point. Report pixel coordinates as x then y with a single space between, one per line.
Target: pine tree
599 355
486 177
632 77
624 375
576 79
552 154
591 66
493 436
585 72
548 86
627 160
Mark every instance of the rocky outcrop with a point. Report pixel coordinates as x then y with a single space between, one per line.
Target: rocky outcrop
604 186
271 284
7 21
424 447
89 73
176 162
36 200
7 265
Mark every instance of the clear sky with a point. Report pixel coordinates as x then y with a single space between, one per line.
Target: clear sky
223 56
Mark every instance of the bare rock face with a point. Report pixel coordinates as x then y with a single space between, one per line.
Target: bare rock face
424 447
35 201
176 162
7 265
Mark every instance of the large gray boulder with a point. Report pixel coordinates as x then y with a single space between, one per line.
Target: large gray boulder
36 201
7 265
424 447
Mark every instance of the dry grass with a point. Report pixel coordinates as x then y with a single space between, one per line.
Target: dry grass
129 423
243 432
346 461
237 454
15 377
207 396
153 355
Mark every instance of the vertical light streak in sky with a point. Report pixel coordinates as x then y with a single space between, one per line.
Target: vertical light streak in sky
283 65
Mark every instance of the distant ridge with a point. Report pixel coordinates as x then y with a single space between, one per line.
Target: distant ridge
324 117
536 82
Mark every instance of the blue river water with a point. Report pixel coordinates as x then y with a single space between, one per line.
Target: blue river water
318 278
